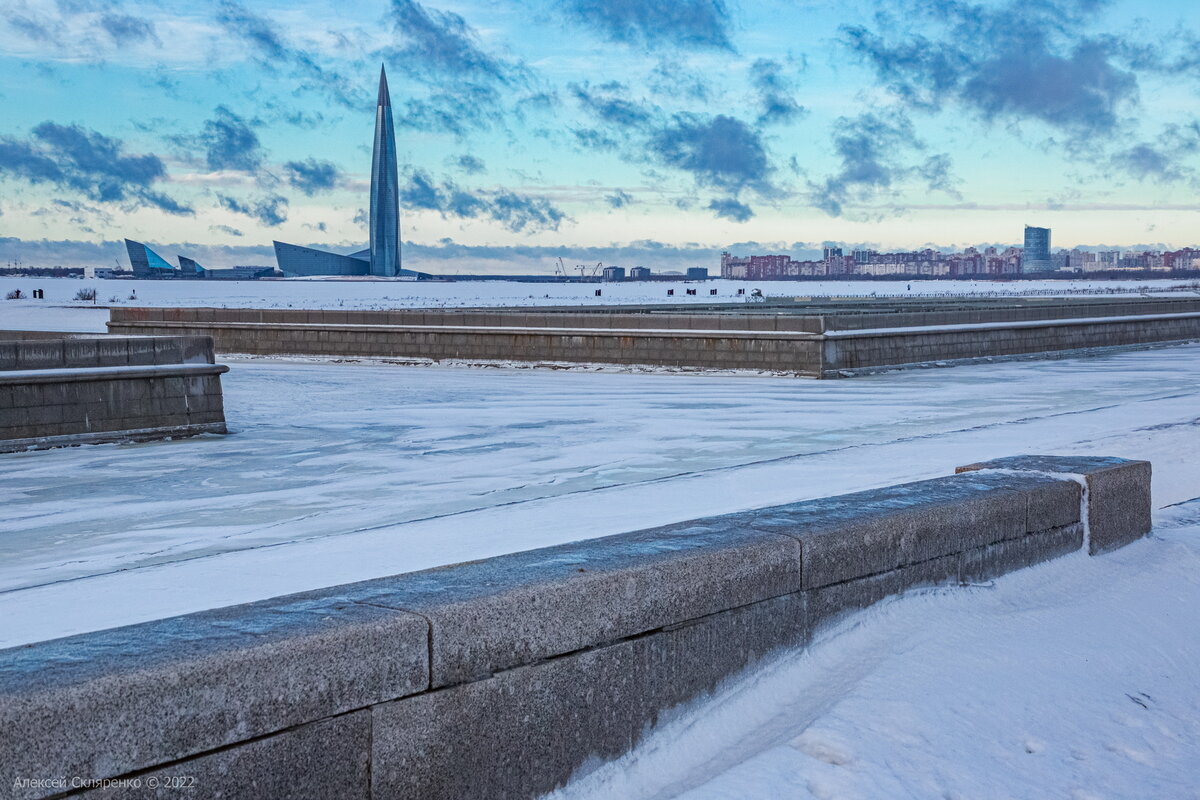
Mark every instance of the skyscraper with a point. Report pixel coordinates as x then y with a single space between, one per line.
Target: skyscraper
385 193
382 255
1037 250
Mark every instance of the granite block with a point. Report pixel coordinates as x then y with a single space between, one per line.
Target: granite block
516 609
148 694
329 759
985 563
1119 506
527 730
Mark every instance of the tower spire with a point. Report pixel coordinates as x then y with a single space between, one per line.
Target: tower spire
385 199
385 99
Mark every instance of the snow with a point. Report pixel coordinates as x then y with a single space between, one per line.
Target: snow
58 311
337 473
1079 678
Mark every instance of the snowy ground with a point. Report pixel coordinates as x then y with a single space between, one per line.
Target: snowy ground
1077 679
341 472
48 314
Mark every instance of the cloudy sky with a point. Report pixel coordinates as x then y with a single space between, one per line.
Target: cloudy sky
622 131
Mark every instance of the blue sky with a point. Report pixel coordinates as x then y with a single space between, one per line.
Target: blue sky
625 131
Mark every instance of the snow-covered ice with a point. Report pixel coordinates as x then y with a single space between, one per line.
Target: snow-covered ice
58 310
1076 679
343 472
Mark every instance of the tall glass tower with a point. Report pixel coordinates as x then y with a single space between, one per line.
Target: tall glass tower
1037 249
385 193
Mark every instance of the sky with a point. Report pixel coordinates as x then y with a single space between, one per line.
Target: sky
617 131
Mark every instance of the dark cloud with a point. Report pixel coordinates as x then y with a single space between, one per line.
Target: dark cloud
88 162
125 29
270 211
775 92
872 149
730 208
312 176
721 151
361 217
274 52
609 103
441 43
1161 159
1023 60
516 212
225 229
651 24
229 142
39 30
465 109
672 79
619 199
472 165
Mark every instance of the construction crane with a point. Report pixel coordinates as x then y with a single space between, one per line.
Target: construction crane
560 269
583 268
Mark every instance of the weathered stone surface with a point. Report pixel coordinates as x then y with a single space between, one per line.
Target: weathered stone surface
329 759
828 604
516 609
525 731
1118 493
861 534
116 701
985 563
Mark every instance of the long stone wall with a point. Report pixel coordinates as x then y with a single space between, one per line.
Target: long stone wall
56 392
501 678
823 346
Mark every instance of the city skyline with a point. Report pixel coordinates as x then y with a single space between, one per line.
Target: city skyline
527 131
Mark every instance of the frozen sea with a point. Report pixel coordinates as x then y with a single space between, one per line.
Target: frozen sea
1076 679
60 311
341 472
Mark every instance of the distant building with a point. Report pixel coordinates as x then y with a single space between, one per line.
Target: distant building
147 264
189 265
382 255
639 274
1037 250
697 273
614 274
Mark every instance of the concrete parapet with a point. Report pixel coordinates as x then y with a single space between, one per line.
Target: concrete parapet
822 345
502 678
1118 507
103 389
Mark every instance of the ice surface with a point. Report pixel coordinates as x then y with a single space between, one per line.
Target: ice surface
344 472
50 314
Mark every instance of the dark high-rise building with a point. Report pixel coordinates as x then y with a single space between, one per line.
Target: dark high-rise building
1037 250
382 255
385 189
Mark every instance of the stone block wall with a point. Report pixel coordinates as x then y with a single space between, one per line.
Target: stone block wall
863 350
502 678
810 346
56 392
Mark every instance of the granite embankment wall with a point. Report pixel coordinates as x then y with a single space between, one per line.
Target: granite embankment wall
813 346
501 678
56 392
